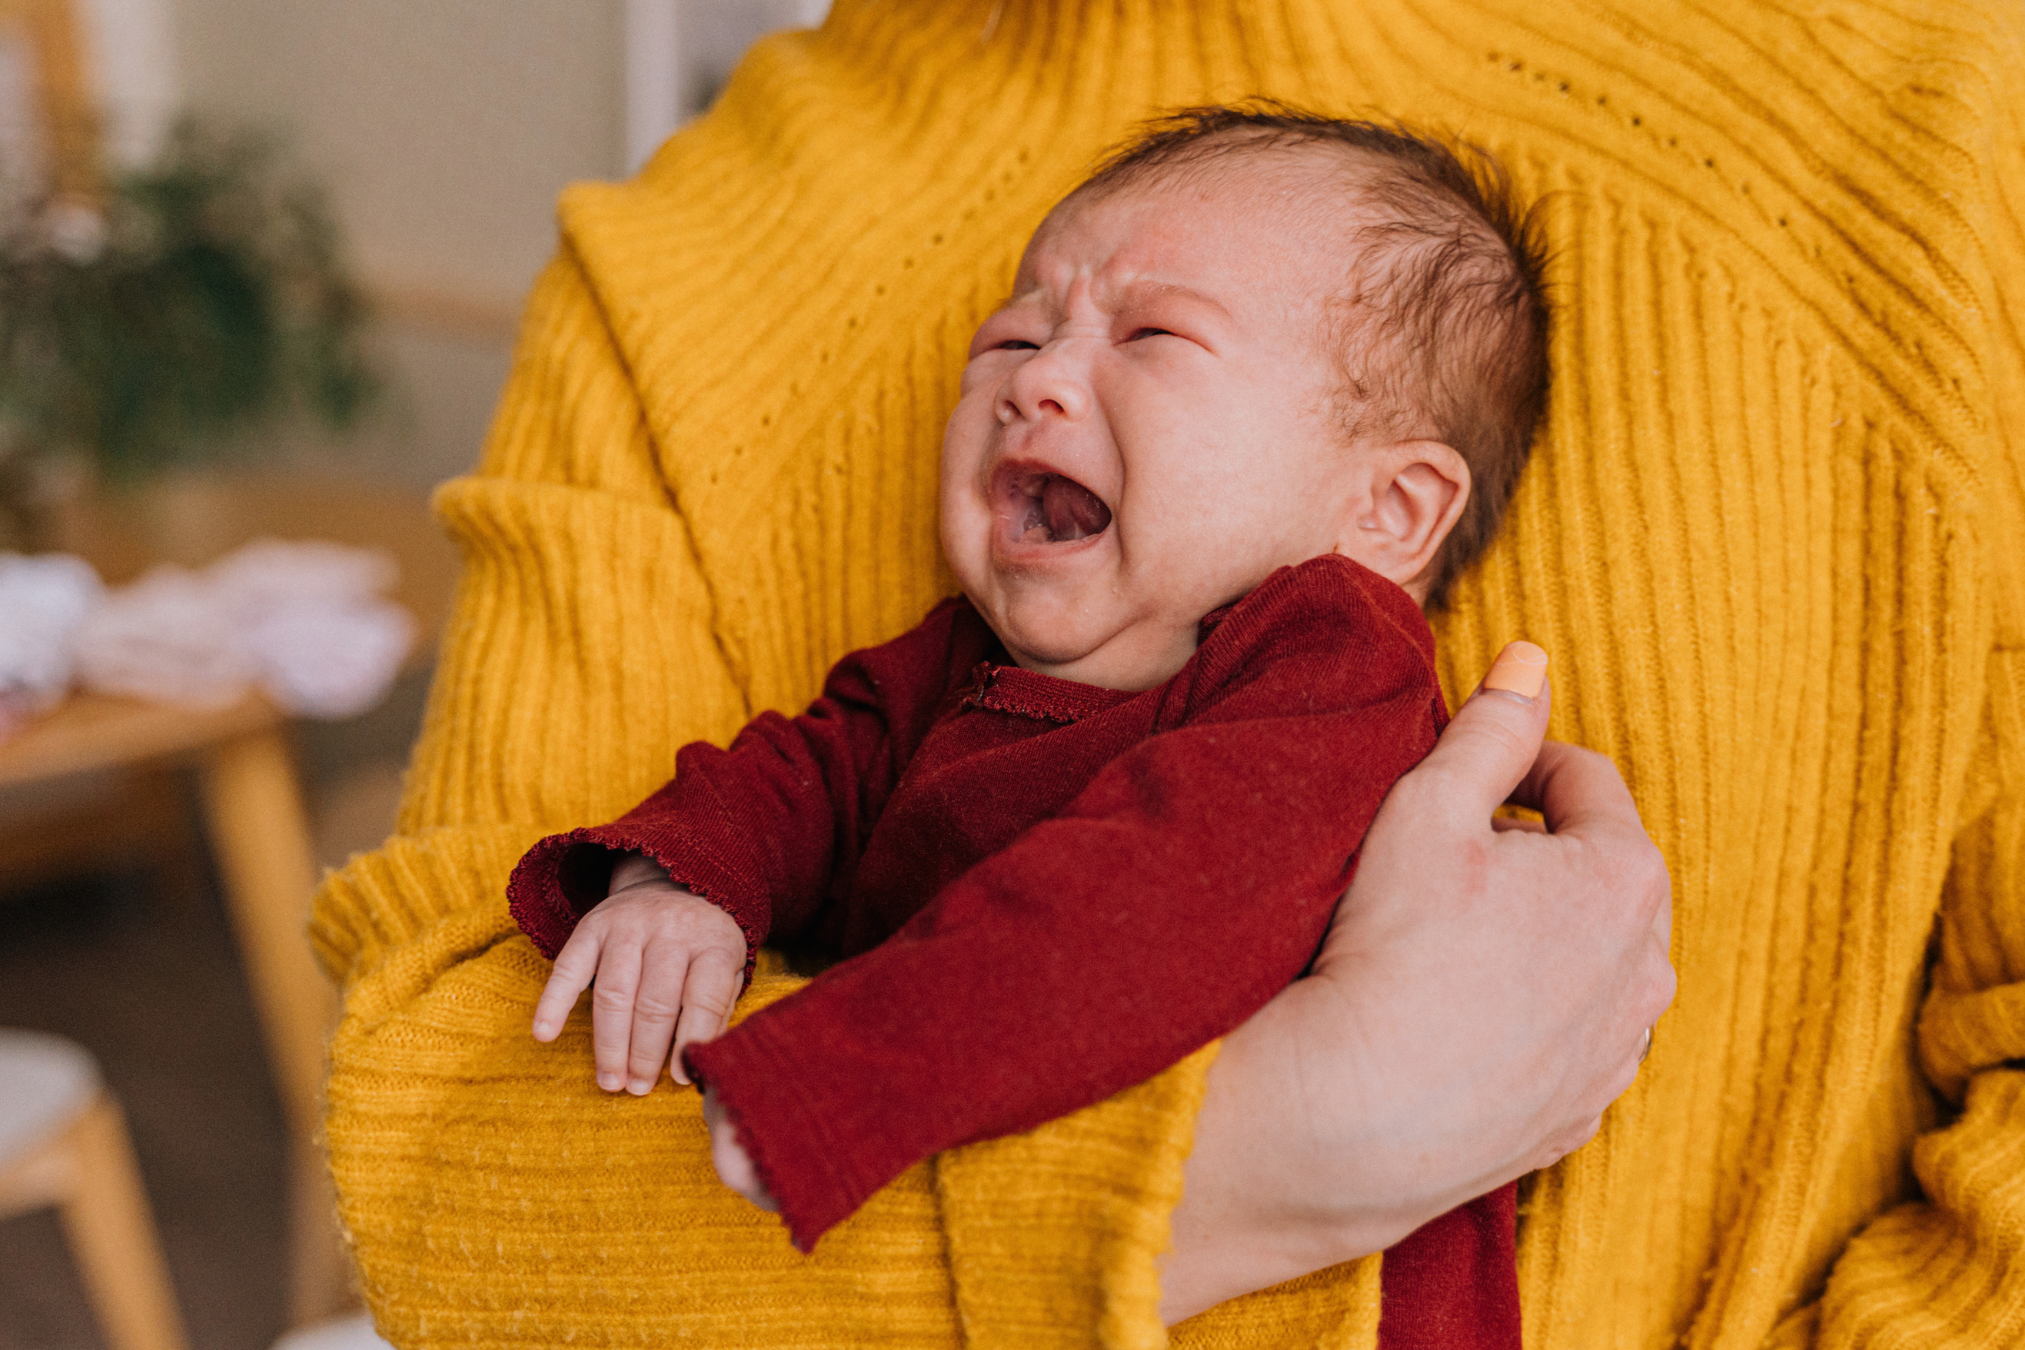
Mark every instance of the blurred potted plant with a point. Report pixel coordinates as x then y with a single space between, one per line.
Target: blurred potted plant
159 320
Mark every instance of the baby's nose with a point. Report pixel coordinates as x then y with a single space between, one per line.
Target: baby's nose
1051 383
1009 410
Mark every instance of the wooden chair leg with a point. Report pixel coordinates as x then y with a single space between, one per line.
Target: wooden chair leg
112 1235
320 1284
260 835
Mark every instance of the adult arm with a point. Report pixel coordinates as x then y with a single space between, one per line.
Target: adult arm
1481 997
1946 1269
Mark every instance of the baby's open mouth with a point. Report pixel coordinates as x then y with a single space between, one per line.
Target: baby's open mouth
1046 508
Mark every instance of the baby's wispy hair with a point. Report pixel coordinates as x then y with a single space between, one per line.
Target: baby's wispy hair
1441 328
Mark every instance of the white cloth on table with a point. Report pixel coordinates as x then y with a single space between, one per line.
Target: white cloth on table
42 602
305 621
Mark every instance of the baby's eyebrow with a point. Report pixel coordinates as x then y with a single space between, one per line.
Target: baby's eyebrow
1012 297
1139 290
1131 291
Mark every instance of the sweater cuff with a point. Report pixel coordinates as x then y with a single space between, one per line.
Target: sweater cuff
786 1144
565 876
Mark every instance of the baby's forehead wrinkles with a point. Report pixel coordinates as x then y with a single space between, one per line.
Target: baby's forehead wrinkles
1110 286
1050 293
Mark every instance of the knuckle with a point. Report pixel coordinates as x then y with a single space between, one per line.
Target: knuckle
1509 740
1587 761
716 923
669 952
728 956
1594 759
607 999
1666 980
1425 787
653 1008
580 949
1659 995
697 927
605 916
711 1002
1648 872
1429 790
564 980
1654 879
688 913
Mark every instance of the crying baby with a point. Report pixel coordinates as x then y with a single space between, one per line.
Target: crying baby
1261 390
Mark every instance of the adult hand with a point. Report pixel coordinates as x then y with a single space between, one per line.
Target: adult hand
1482 996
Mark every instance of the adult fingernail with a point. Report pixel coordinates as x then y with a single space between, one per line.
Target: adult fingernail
1521 668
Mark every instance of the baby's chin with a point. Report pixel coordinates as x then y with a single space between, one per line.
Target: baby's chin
1083 647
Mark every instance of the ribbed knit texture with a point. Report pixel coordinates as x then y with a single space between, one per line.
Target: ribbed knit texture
1772 536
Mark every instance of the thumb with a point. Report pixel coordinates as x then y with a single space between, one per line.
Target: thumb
1490 745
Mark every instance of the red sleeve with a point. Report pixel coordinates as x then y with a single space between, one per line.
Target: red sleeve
769 828
1190 882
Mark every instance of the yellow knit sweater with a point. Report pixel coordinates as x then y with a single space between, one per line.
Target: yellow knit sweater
1772 535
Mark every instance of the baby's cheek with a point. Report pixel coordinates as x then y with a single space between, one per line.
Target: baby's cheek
974 374
964 532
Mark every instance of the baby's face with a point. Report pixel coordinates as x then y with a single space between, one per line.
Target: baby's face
1146 427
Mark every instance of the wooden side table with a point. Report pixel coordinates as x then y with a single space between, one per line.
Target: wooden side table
259 833
252 798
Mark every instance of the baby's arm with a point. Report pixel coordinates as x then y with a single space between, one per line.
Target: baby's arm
1189 882
759 828
667 966
734 1167
762 826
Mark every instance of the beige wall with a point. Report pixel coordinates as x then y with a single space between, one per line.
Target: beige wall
444 130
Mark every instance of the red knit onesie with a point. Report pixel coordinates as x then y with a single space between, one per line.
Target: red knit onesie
1045 891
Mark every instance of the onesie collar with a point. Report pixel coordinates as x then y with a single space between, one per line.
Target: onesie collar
1045 698
1048 698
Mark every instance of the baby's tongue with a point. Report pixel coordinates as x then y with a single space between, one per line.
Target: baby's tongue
1071 510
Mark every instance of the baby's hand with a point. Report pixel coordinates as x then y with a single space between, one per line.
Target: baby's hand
734 1167
667 965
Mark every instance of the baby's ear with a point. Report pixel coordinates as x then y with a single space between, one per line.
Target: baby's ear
1413 494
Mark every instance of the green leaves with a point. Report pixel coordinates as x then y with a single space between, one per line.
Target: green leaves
201 296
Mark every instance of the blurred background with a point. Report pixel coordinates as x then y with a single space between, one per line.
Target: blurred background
261 264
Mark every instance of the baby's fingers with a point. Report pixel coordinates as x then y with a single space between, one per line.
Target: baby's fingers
574 966
612 1013
655 1005
707 996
